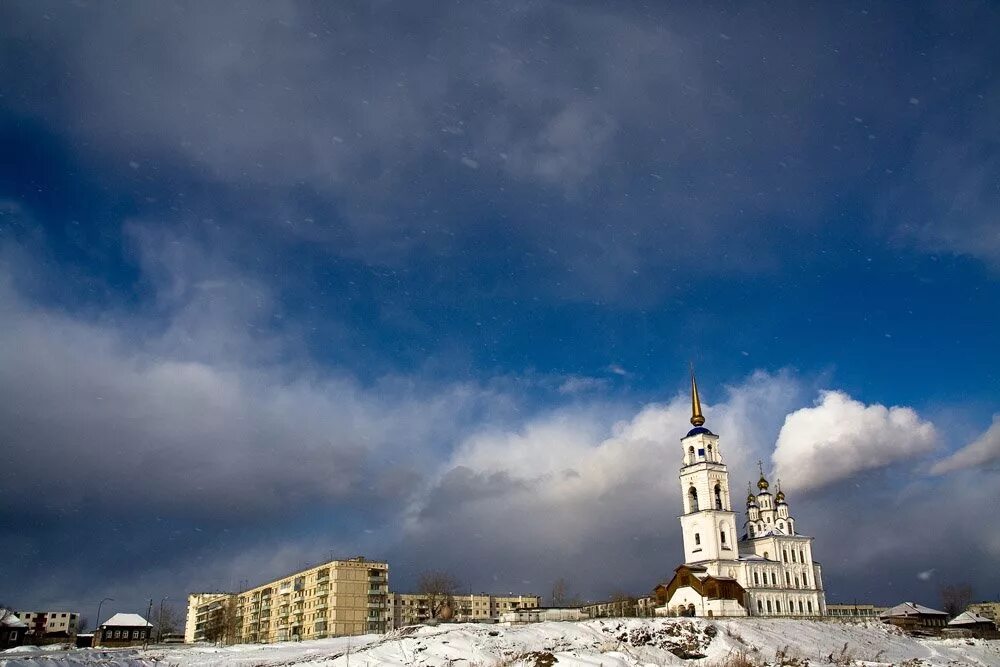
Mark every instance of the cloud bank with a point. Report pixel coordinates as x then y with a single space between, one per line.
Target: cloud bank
840 437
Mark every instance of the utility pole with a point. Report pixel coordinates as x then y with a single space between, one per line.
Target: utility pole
149 612
159 621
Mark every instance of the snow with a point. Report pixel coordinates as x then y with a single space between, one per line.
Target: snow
909 608
129 620
608 642
968 618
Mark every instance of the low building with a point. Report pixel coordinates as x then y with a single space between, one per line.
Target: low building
990 610
972 623
852 611
46 627
414 608
915 617
123 630
621 607
12 629
540 614
332 599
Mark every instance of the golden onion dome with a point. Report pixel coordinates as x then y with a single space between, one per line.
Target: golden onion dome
780 497
762 484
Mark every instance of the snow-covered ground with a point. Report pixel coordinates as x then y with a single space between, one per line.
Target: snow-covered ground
607 642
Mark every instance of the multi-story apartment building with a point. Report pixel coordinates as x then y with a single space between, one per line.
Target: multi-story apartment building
201 608
338 597
57 623
413 608
990 610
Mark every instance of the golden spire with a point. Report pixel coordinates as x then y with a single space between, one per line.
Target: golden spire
696 417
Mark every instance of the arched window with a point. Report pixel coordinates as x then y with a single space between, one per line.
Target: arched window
690 454
774 579
765 555
781 525
756 582
809 604
750 528
760 606
693 499
777 606
805 579
697 539
802 558
722 534
691 610
718 497
769 606
788 579
800 606
793 555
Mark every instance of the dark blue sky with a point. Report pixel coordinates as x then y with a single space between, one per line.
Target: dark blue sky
279 280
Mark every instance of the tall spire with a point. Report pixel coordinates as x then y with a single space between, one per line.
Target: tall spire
696 417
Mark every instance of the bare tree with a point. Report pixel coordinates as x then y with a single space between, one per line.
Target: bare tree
81 623
562 595
956 597
439 588
221 624
167 620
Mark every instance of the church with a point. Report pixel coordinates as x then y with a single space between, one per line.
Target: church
768 571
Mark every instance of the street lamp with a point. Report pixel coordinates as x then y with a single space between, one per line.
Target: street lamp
159 622
149 612
99 611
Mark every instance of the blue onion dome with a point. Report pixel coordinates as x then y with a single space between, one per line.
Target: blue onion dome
699 429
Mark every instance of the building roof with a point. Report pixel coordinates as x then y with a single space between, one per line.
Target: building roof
11 621
129 620
969 618
911 609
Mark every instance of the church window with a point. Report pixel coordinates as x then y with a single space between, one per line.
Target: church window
690 454
697 538
784 555
797 582
751 530
718 497
809 604
769 606
801 557
760 606
756 582
800 606
788 579
805 579
693 498
765 555
777 606
722 534
774 579
793 555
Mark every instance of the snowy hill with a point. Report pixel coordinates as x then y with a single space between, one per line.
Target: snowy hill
608 642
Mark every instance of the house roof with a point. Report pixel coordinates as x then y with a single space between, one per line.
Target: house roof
129 620
968 618
911 609
12 621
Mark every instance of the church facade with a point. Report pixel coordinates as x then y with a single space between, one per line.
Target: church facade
759 565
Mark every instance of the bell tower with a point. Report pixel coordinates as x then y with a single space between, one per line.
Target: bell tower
708 523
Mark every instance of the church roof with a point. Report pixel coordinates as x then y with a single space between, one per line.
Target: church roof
698 430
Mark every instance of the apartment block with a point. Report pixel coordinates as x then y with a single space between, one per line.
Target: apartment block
52 623
854 610
202 607
413 608
335 598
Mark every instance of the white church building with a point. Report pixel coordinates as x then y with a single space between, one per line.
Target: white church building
768 571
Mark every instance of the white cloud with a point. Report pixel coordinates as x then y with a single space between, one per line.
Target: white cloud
984 449
840 437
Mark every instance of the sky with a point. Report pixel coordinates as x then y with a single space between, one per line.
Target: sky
422 281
